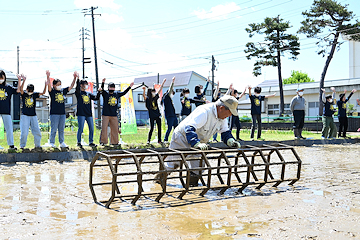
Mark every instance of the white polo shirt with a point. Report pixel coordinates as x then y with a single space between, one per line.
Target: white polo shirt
206 122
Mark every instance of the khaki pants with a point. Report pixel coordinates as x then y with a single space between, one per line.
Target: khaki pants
328 123
114 130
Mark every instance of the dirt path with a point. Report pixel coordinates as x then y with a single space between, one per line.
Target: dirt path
52 200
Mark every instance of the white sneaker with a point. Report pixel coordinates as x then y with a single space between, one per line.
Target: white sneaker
52 145
63 145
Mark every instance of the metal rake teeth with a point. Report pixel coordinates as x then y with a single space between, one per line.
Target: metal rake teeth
130 171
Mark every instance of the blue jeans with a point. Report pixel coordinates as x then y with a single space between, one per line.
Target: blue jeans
81 122
171 122
8 128
25 123
57 124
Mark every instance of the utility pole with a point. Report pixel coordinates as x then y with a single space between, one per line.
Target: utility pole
213 67
95 59
84 60
18 60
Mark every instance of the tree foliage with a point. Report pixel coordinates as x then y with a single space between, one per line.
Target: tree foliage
325 21
297 77
276 43
276 40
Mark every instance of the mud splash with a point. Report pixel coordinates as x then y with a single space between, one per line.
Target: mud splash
52 200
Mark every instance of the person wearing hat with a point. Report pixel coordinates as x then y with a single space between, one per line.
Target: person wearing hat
343 120
297 107
109 112
329 128
196 130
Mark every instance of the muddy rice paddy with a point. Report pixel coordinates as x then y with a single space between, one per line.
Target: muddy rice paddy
52 200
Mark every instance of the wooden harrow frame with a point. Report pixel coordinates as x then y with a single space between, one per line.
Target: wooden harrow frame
220 169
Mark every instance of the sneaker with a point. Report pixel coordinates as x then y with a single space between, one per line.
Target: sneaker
63 145
52 145
148 142
92 145
322 137
102 144
166 142
261 139
12 147
252 139
79 145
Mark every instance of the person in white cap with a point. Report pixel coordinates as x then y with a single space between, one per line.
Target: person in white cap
196 130
297 107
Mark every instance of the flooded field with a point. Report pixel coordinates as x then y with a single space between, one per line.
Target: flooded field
52 200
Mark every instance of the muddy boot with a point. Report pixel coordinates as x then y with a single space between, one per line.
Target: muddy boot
296 133
159 177
300 134
194 179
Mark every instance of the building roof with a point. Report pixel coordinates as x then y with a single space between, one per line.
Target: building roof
181 79
267 83
9 74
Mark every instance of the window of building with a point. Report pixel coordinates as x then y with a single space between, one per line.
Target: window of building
273 109
141 98
179 90
208 92
39 103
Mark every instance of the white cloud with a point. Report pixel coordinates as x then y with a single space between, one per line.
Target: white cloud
111 18
99 3
217 12
154 34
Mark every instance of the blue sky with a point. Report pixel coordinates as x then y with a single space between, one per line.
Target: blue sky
149 37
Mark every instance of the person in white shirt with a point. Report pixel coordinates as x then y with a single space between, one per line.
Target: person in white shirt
196 130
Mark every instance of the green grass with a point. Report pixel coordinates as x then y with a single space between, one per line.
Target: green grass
139 140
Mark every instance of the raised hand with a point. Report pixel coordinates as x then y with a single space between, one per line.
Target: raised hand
173 79
353 91
76 74
323 89
23 77
48 73
131 84
104 79
18 76
332 89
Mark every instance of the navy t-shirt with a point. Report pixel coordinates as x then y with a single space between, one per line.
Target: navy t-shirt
256 104
153 107
342 106
169 106
329 109
29 103
57 104
84 103
185 106
6 91
111 101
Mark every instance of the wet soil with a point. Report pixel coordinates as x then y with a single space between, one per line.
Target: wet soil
52 200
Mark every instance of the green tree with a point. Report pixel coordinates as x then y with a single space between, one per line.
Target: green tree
325 21
269 52
297 77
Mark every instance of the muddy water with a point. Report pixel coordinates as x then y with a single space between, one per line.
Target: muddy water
52 200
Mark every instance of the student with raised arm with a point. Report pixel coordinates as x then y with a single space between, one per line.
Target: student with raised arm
84 110
57 108
327 118
28 117
200 93
343 120
170 115
235 119
186 102
6 91
152 106
256 100
110 112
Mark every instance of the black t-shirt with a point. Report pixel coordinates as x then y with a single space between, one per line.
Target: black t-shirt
84 103
57 104
329 109
169 106
111 101
153 107
6 91
256 104
29 103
